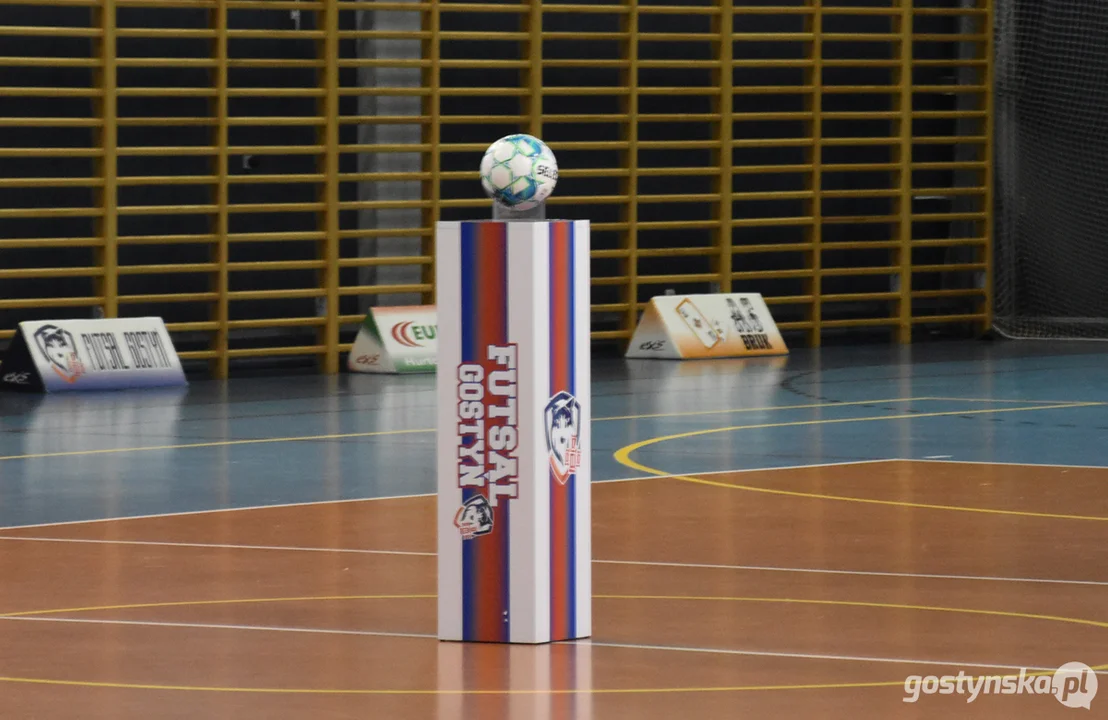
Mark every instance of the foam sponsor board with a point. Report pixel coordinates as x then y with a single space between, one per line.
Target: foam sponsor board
683 327
109 354
396 340
514 510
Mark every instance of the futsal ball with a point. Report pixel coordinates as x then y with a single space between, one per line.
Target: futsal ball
519 171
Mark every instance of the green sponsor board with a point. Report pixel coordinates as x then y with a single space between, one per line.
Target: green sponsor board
397 340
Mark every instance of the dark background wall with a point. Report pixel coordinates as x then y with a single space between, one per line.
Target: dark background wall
201 194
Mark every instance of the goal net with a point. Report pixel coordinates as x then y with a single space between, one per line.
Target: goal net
1051 252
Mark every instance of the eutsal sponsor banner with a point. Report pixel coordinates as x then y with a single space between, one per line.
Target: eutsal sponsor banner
402 339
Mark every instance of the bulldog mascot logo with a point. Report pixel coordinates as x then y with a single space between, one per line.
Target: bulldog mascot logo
474 518
59 348
563 428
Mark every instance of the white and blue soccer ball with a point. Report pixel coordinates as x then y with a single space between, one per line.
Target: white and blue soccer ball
519 171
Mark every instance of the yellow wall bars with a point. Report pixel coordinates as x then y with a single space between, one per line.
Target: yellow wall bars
258 172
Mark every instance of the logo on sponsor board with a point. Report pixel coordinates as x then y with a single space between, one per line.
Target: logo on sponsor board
17 378
105 351
368 359
487 438
60 350
409 334
563 435
474 518
704 330
747 324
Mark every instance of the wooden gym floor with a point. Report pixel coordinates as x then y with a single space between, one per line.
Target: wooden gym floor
776 539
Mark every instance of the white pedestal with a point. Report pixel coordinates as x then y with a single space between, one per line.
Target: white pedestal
514 510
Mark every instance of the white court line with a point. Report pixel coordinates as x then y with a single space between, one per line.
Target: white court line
185 513
808 656
1013 464
219 626
416 495
643 563
1006 400
213 546
592 643
644 477
309 503
861 573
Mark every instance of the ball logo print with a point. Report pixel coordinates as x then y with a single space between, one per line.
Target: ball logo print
519 171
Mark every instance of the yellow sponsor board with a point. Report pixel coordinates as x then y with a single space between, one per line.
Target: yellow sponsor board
683 327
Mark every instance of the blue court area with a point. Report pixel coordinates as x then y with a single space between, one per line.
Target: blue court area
276 440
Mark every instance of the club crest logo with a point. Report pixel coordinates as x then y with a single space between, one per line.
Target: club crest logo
563 433
60 350
474 518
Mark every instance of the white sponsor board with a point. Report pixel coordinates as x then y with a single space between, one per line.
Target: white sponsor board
682 327
397 340
110 354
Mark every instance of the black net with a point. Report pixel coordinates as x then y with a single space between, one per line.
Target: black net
1051 253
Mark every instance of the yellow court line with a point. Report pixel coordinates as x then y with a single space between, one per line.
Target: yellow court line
415 431
807 406
394 692
389 691
623 456
564 691
215 443
998 400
